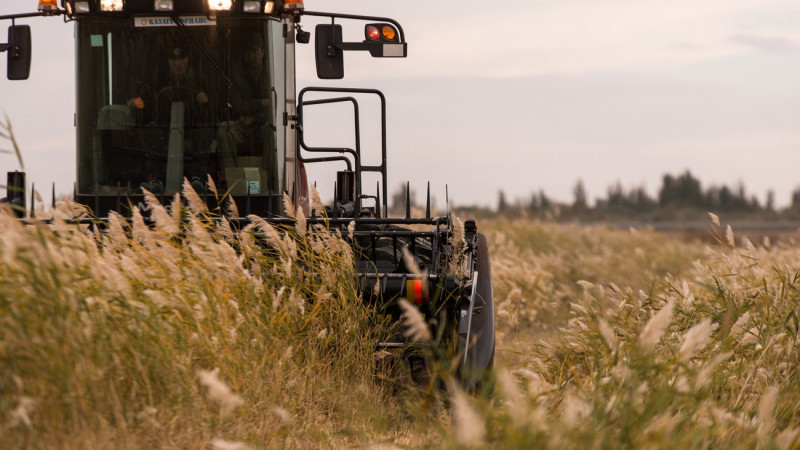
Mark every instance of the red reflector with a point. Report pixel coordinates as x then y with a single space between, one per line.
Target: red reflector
415 292
373 32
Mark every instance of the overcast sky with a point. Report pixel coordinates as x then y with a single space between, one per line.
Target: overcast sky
527 95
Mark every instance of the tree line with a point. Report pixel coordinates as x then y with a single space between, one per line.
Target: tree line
679 195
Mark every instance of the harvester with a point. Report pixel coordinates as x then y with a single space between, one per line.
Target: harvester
175 92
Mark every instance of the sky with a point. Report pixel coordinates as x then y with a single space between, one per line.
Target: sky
523 95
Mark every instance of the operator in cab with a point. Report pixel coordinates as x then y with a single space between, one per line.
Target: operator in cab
182 85
244 141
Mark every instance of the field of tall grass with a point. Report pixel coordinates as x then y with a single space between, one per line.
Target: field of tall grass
190 335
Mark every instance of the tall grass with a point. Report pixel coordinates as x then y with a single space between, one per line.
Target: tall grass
193 334
704 356
182 333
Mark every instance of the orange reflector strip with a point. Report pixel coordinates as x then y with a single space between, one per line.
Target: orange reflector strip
415 293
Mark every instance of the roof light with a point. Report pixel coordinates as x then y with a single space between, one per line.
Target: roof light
111 5
48 5
372 32
82 7
163 5
289 5
269 7
220 5
251 6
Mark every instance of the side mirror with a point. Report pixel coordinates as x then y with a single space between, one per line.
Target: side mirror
19 52
330 58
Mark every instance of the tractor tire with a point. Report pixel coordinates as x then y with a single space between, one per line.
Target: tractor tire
475 368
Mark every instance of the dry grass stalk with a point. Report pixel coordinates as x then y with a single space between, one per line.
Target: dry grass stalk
656 326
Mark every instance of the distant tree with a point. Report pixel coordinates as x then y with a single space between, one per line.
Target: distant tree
502 203
796 199
579 193
539 202
770 202
683 192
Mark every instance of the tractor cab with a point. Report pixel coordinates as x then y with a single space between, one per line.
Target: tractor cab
164 97
199 91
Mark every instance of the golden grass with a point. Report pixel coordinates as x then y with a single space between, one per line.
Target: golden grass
188 335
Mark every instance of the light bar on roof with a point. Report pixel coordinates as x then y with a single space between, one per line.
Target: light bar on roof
163 5
220 5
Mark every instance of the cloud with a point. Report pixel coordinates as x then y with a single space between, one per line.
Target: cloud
766 44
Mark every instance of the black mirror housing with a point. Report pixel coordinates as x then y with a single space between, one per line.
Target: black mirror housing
19 52
329 57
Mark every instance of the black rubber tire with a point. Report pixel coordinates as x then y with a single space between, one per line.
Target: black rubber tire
475 370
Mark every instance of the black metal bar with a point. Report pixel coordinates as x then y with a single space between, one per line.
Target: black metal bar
408 200
33 201
428 202
358 17
378 199
55 12
382 168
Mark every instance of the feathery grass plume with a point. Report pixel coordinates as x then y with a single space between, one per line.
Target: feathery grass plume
705 373
272 235
176 208
574 409
211 185
300 223
316 202
351 229
695 339
233 210
116 236
729 236
656 326
219 391
416 328
469 428
282 414
411 263
196 204
22 413
515 399
222 444
714 218
766 414
288 206
607 333
159 214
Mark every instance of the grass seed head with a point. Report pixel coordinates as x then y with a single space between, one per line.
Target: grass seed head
219 391
416 328
656 326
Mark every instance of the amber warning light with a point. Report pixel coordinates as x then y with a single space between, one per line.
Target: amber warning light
48 5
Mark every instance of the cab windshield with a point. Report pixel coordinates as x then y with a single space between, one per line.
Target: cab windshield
158 103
